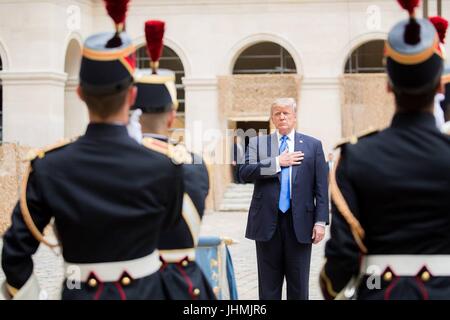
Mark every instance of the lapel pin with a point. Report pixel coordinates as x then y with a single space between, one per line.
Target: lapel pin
301 141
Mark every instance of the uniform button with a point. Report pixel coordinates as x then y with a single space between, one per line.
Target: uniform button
425 276
184 263
126 281
92 283
387 276
196 292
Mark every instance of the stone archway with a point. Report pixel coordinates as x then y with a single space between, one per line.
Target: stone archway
75 112
365 101
262 72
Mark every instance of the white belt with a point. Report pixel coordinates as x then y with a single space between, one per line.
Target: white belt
176 255
406 265
113 271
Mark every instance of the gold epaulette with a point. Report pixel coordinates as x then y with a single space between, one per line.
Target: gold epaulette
178 153
156 145
354 138
40 153
445 79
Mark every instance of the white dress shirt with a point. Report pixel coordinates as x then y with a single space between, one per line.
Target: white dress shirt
291 148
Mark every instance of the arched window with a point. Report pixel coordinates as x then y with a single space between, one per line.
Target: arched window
367 58
1 104
265 58
169 60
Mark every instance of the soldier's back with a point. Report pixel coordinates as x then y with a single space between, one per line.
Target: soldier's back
110 198
402 178
105 195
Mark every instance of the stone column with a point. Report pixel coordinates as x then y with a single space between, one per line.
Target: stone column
76 115
205 132
33 107
201 111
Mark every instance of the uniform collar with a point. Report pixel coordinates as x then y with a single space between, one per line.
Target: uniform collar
290 135
106 129
414 119
156 136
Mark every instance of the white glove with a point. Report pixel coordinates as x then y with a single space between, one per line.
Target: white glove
134 126
446 128
438 112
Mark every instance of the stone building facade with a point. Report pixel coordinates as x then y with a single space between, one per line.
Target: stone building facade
41 41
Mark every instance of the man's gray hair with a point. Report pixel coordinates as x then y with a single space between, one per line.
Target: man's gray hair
284 102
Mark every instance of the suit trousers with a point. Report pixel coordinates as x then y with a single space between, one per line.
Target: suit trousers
280 257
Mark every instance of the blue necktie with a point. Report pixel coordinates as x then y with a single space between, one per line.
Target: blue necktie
285 199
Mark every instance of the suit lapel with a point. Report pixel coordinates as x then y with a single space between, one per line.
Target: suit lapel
273 152
298 146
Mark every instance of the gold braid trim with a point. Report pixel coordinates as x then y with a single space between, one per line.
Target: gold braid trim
328 284
341 204
26 212
23 191
11 290
177 153
156 145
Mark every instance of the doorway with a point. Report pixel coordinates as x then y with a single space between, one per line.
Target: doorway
252 129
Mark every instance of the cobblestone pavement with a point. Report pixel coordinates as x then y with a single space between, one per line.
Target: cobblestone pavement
48 265
232 225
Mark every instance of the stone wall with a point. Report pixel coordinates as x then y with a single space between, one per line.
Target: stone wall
249 97
11 170
365 103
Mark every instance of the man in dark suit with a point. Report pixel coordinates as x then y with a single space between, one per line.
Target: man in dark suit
289 208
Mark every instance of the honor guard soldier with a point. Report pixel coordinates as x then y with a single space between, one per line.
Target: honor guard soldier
182 277
390 233
110 197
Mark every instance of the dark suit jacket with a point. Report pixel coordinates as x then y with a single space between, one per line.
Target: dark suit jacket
309 187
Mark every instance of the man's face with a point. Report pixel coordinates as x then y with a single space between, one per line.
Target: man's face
284 119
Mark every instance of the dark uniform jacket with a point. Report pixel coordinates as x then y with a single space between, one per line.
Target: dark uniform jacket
397 184
185 280
110 198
